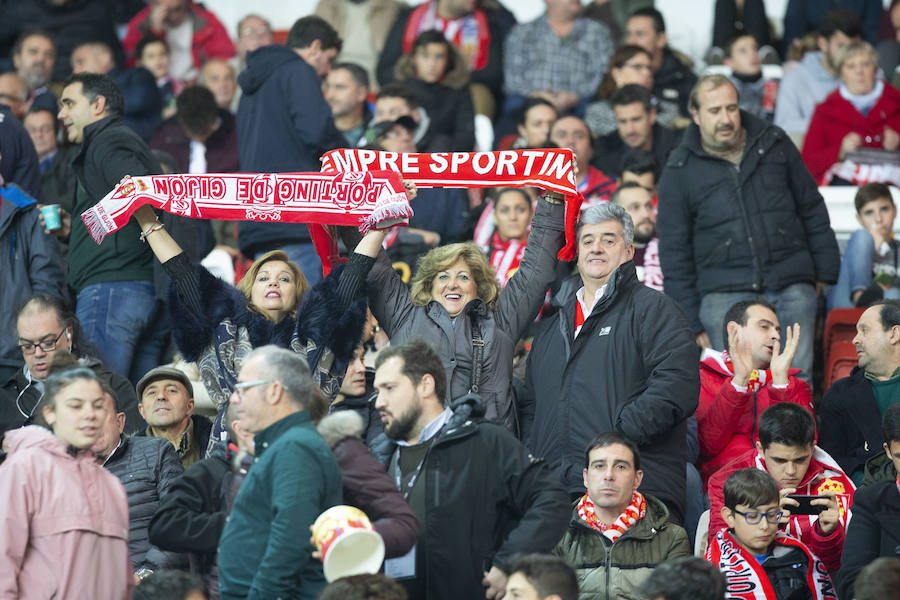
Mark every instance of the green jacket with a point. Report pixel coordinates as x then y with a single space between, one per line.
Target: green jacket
615 570
264 551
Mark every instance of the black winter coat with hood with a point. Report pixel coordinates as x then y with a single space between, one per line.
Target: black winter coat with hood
741 228
284 125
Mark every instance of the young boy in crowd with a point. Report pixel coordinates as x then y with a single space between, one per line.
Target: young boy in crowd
870 262
757 94
437 75
758 561
541 577
152 53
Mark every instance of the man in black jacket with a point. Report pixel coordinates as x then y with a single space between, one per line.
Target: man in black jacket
874 529
146 467
851 411
618 356
480 498
741 218
116 302
636 128
673 75
285 125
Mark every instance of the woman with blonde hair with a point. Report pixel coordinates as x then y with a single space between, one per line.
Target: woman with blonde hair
217 325
455 303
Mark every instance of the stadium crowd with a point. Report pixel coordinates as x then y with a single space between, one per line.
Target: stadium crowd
660 418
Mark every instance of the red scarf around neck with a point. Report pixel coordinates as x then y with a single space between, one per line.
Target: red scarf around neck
505 257
633 513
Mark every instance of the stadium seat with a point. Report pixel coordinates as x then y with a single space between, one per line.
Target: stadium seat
840 327
841 360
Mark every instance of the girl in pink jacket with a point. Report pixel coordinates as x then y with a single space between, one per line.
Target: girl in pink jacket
64 518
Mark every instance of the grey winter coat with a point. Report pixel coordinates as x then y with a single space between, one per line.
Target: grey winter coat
145 466
30 264
517 305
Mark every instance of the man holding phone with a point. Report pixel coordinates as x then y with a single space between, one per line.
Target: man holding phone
786 450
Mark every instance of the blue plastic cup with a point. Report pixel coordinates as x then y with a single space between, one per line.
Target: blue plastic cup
50 213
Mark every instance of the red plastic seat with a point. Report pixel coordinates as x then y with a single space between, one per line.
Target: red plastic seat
840 327
841 360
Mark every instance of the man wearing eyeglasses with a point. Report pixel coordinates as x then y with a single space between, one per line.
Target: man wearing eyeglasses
786 450
44 327
264 551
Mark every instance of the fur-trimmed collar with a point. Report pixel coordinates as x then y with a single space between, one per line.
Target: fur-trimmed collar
340 425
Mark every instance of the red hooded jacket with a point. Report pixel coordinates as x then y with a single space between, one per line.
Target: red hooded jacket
727 418
822 475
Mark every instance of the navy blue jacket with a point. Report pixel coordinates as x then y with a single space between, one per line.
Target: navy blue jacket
284 125
143 102
19 163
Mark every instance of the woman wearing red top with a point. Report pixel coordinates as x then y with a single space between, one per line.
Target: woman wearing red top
512 218
864 112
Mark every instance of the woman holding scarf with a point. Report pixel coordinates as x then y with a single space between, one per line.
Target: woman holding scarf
217 325
864 112
456 304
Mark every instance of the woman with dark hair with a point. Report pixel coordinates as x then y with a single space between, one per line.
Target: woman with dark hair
628 65
65 528
457 306
436 72
217 325
512 222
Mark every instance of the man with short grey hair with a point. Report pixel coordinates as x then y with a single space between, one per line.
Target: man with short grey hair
264 552
623 357
743 220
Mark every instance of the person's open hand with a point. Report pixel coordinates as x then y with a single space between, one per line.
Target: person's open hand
741 355
781 361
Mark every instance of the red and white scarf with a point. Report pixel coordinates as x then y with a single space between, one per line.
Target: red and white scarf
505 257
633 513
470 33
550 169
828 478
758 377
363 199
861 174
745 578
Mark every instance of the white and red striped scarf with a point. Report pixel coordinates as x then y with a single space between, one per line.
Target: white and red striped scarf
745 578
550 169
829 478
505 257
363 199
861 174
633 513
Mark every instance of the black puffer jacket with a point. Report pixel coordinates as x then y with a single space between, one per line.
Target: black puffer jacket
850 422
145 466
874 531
727 229
632 369
486 498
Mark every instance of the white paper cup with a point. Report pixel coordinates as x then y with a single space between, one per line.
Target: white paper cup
348 543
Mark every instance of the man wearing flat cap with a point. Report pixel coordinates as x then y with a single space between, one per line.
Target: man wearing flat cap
167 402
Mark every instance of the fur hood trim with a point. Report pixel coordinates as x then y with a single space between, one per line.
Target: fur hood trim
340 425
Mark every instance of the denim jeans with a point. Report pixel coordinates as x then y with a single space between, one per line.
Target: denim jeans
154 345
794 304
856 271
113 317
306 258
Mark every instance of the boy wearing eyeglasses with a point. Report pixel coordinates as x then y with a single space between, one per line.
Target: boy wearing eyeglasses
760 562
786 450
